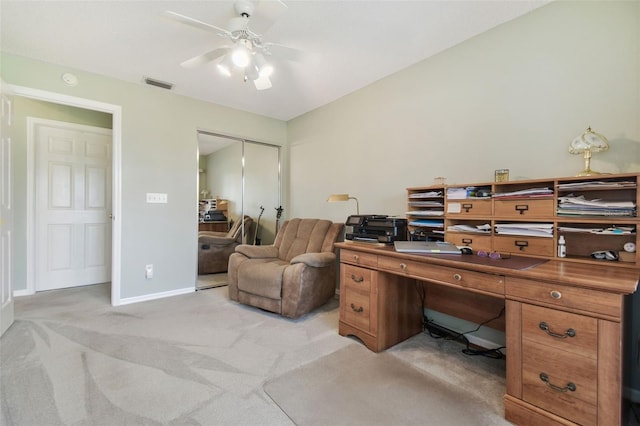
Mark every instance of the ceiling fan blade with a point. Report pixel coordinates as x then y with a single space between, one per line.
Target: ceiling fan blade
194 22
283 52
204 58
262 83
266 14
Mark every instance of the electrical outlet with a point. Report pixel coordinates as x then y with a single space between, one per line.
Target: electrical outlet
148 272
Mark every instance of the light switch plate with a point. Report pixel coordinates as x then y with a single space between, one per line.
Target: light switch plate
156 197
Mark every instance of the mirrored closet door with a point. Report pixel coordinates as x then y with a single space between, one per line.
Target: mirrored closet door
240 177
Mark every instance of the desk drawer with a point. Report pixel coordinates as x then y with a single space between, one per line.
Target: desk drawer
356 277
457 208
582 299
355 308
549 374
569 332
524 245
443 274
521 209
476 241
358 258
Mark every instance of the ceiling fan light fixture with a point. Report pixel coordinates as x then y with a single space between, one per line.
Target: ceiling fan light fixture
241 54
265 69
251 72
225 66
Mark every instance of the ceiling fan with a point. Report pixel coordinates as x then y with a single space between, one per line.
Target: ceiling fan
247 51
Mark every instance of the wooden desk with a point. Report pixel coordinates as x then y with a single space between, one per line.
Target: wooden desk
563 323
218 226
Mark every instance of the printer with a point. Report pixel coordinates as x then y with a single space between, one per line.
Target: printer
376 228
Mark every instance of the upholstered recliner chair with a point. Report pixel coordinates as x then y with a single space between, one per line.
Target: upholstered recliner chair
214 248
291 277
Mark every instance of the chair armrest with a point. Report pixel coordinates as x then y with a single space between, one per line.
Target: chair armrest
257 252
317 260
215 241
212 234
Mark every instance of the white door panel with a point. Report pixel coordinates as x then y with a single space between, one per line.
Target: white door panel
6 217
73 202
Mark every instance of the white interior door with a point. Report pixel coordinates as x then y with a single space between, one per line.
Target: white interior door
6 218
72 205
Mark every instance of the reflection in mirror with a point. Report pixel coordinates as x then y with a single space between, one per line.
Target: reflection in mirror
261 184
238 178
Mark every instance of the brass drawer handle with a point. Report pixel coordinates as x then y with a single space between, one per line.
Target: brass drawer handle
353 307
569 333
357 279
521 244
569 387
467 207
356 257
467 241
403 266
521 208
457 277
555 294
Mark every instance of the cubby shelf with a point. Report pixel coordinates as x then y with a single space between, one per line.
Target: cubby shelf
593 213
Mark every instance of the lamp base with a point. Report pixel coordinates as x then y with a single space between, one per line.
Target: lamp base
587 166
590 172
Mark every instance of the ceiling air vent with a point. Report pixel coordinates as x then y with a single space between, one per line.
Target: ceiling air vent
158 83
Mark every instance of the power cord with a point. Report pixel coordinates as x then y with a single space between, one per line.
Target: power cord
439 332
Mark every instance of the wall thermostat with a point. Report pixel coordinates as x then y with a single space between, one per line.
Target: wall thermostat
630 247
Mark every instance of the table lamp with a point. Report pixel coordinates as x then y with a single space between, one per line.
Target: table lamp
344 197
586 144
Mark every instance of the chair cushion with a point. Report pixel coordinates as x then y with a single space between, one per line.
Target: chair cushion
299 236
262 277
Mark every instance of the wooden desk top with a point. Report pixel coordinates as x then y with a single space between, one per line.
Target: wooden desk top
599 277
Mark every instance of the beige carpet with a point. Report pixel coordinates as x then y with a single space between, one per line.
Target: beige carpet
212 281
355 386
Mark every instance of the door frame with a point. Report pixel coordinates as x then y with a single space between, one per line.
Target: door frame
116 188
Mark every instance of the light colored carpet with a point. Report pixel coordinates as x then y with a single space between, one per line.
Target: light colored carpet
354 386
212 281
71 358
198 359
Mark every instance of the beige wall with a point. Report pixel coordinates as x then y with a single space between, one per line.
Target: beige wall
513 97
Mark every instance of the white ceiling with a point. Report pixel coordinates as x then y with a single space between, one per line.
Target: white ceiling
348 44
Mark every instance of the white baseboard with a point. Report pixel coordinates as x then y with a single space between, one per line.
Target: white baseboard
25 292
155 296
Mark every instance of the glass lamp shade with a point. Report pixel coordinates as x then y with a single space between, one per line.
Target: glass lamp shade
251 72
586 144
264 67
241 54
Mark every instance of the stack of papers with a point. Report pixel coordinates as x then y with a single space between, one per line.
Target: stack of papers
426 223
426 203
456 193
480 229
529 229
580 206
594 184
425 213
428 194
614 230
526 193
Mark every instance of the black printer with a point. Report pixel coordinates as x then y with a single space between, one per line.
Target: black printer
376 228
